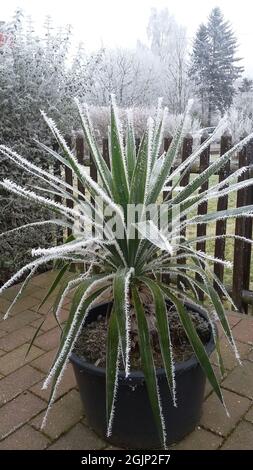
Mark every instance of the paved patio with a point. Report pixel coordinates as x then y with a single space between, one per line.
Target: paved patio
22 402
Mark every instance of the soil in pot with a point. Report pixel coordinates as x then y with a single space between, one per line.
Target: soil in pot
91 344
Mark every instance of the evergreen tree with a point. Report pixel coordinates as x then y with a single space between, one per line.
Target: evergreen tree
246 85
200 65
214 66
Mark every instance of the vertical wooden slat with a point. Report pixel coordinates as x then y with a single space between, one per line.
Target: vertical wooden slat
243 227
248 221
186 152
80 158
202 208
57 170
137 144
57 167
238 278
166 194
222 204
105 152
69 180
166 144
94 176
93 170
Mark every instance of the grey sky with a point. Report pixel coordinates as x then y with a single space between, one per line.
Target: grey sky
122 22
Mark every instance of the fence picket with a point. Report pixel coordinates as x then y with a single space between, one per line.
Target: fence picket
166 194
186 152
80 158
202 208
222 204
243 227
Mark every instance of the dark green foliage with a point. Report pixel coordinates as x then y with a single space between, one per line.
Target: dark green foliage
246 85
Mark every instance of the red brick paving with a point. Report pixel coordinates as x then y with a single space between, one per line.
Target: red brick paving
22 402
17 382
34 440
65 413
243 331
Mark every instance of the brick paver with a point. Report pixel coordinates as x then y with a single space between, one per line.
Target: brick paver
23 403
45 308
233 318
243 331
25 303
68 382
214 416
44 362
241 438
49 340
31 290
249 415
66 412
50 321
43 280
18 412
229 359
250 356
16 358
241 380
16 322
34 440
200 439
208 388
4 304
80 437
16 338
18 382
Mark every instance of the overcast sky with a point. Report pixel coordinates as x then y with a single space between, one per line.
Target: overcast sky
122 22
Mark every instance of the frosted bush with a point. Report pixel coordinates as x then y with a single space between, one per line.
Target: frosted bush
101 117
35 73
239 123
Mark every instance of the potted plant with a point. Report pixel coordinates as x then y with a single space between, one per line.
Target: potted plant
139 345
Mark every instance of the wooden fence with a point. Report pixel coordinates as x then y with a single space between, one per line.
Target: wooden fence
239 287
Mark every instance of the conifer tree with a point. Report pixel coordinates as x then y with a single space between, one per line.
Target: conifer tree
214 68
246 85
200 65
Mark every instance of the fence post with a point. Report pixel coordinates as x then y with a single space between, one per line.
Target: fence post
105 151
248 221
80 159
222 204
57 167
69 180
166 144
186 152
94 176
243 228
202 208
137 144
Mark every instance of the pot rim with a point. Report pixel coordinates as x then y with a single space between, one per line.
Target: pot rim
137 374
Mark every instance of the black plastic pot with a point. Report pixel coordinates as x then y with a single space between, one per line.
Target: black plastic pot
133 425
